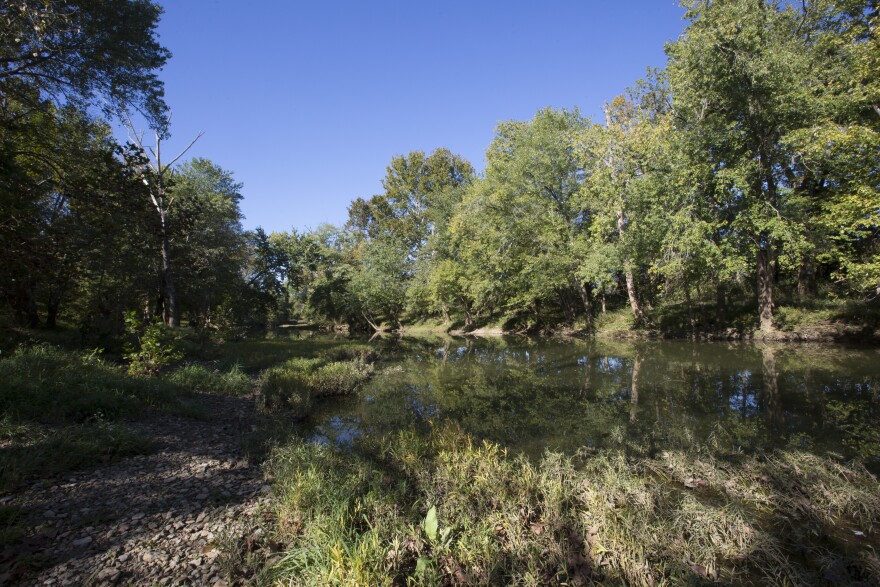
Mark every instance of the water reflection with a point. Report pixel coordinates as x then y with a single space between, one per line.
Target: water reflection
639 397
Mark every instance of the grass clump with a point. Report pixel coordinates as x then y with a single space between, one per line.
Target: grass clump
198 377
297 382
445 509
364 353
45 384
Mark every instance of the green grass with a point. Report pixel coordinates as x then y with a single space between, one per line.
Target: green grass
444 509
48 385
255 355
296 383
46 452
198 377
614 321
62 410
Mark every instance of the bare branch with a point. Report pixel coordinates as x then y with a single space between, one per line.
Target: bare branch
188 147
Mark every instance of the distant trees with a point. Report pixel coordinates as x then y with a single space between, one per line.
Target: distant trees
744 174
747 170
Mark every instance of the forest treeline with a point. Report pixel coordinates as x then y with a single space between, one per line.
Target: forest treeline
746 174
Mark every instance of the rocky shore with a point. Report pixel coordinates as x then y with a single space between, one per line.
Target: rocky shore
168 518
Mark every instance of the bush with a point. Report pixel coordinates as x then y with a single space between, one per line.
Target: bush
151 347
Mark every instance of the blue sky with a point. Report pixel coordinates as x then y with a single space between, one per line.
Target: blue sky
306 102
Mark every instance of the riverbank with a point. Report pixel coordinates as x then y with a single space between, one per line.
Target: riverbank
814 322
447 509
404 461
171 515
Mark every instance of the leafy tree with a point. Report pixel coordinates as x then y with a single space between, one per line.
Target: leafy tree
741 74
206 236
378 285
82 51
516 228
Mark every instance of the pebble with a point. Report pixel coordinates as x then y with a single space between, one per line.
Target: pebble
164 541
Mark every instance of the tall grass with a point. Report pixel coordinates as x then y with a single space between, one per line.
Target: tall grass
445 509
198 377
45 384
297 382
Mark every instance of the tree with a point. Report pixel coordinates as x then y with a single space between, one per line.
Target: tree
156 176
741 74
379 283
515 230
206 236
63 179
81 52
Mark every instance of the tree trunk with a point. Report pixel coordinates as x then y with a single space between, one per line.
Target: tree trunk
720 298
372 324
30 304
52 307
765 289
805 280
468 318
586 298
172 318
566 305
690 306
638 314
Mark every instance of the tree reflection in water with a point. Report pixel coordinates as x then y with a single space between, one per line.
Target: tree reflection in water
641 397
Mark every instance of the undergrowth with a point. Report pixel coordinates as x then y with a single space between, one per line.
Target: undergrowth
45 384
61 410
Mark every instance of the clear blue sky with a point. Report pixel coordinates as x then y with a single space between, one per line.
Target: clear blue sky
306 102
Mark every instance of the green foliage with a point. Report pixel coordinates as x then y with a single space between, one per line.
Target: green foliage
152 346
83 51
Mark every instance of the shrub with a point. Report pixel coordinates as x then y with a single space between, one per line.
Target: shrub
152 346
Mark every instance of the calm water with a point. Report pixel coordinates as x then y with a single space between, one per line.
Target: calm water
641 397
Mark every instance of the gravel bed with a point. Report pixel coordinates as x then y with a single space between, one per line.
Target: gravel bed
160 519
